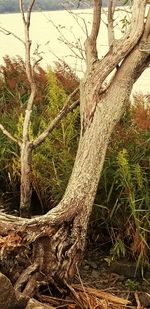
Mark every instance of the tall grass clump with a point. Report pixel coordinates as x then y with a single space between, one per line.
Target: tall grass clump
58 152
123 197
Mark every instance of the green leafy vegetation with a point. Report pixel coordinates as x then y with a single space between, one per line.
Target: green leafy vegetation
124 188
53 160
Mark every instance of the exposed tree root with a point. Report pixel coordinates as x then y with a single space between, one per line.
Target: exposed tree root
26 279
34 253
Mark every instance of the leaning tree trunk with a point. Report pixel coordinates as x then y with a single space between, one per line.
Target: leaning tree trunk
53 244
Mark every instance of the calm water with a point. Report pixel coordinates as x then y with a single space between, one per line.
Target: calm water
44 33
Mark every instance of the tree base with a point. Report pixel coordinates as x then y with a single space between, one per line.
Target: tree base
35 254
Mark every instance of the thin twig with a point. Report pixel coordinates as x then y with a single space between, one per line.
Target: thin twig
84 291
37 54
76 16
63 39
8 32
5 132
137 301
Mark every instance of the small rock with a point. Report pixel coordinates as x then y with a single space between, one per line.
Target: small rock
126 269
7 293
144 299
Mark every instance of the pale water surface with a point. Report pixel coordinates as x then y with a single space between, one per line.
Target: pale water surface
44 33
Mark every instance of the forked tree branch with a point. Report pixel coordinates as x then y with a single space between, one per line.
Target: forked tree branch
134 32
122 47
91 41
5 132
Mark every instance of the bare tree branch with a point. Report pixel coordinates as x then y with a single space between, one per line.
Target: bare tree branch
73 48
29 10
111 10
145 43
147 26
21 6
96 20
29 69
76 17
90 43
8 32
5 132
137 20
63 112
37 61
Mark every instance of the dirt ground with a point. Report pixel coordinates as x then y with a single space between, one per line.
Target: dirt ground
119 278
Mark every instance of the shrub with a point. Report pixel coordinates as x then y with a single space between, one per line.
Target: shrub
53 160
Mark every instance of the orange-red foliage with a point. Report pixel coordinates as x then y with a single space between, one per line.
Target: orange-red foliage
141 113
67 78
15 85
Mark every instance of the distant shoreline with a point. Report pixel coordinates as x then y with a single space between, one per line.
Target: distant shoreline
39 9
46 10
10 7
